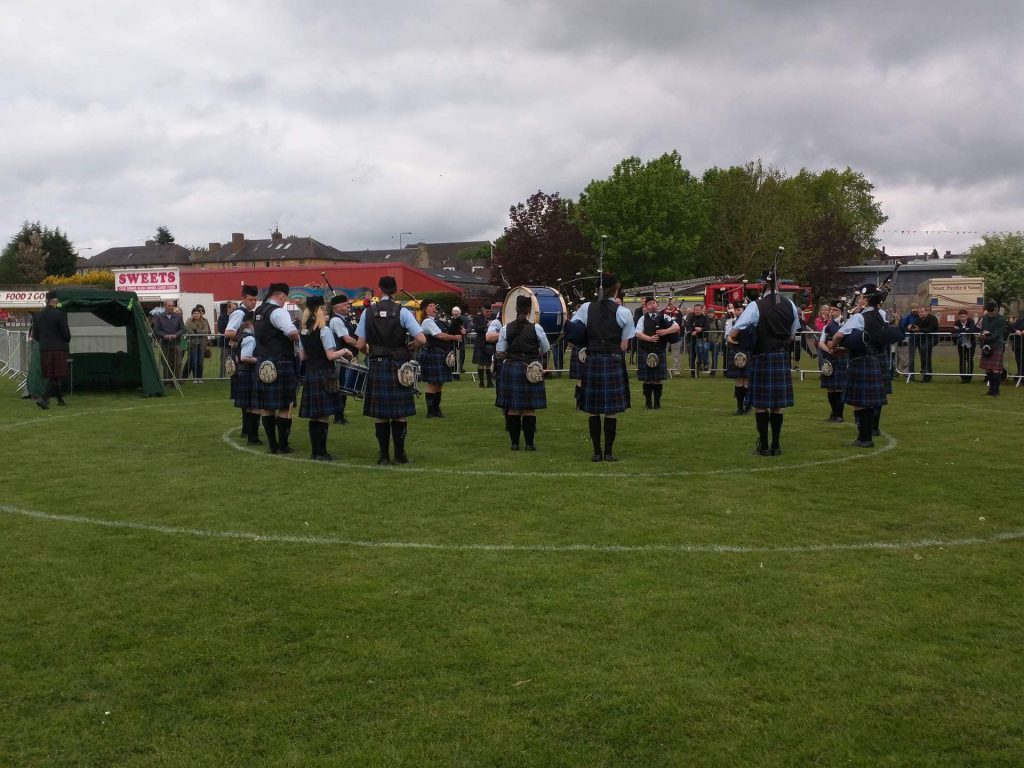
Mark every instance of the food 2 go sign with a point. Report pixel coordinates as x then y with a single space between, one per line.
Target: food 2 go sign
148 283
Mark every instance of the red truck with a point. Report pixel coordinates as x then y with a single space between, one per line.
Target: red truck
721 295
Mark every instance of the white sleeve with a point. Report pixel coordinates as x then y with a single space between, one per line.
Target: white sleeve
749 317
502 341
542 338
281 320
327 338
235 320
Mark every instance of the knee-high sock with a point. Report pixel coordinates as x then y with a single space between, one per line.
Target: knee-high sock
865 422
324 429
284 430
383 430
775 420
761 420
437 403
832 404
595 433
399 429
739 394
515 426
529 428
245 423
648 390
480 375
876 418
314 437
657 393
609 434
270 427
344 402
253 429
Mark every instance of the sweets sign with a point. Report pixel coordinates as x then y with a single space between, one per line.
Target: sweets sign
148 283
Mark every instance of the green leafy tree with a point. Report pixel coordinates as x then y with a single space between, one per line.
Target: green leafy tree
653 215
542 243
163 236
476 253
1000 260
20 260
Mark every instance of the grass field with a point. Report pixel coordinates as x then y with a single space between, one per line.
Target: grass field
170 598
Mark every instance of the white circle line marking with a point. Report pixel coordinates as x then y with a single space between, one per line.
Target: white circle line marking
274 538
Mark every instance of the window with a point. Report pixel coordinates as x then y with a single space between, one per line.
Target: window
302 262
266 263
234 265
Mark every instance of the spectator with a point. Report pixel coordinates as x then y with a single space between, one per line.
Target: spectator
964 330
198 329
695 325
910 327
169 328
1017 341
715 332
928 325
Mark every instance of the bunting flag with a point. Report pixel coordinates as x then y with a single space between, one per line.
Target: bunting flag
951 231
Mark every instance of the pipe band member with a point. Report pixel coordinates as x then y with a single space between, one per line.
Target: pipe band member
434 368
320 396
863 334
248 304
343 328
834 383
993 345
276 337
654 332
521 343
382 332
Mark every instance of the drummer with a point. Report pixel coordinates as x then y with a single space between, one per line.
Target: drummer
344 338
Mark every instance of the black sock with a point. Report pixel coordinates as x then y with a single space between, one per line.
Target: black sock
253 430
270 427
344 402
399 429
740 393
775 420
609 434
383 430
324 429
865 421
480 375
529 428
997 378
648 389
437 403
840 404
761 420
595 433
245 423
515 425
876 418
832 403
657 394
284 430
314 437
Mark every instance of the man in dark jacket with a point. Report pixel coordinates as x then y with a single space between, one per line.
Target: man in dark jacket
928 327
50 331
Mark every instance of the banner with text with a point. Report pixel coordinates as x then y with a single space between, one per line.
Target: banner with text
149 283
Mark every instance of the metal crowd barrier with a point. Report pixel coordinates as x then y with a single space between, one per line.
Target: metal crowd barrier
14 355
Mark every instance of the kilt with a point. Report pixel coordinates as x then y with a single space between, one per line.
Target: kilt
658 373
884 361
604 385
482 354
993 362
433 369
575 366
864 385
280 394
385 398
840 368
242 386
515 393
317 402
54 363
731 371
771 383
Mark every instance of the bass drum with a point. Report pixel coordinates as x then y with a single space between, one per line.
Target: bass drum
549 310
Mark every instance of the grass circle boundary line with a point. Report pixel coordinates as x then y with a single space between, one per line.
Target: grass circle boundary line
681 548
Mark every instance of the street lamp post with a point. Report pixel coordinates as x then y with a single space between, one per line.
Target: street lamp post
400 234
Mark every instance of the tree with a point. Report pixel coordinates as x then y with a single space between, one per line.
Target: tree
1000 260
653 215
542 243
35 252
475 253
163 236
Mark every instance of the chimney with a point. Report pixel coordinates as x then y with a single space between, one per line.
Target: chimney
214 247
237 242
276 235
949 254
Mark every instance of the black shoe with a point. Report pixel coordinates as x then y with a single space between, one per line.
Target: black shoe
41 402
862 444
876 432
383 460
321 457
285 449
597 457
610 457
60 400
438 414
648 407
657 406
761 449
839 420
253 441
340 419
515 446
431 415
739 412
531 447
401 458
775 451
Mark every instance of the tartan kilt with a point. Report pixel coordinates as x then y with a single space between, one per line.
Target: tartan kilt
482 354
604 384
840 369
433 369
575 366
54 363
280 394
771 382
885 372
243 385
645 373
385 398
316 401
864 385
731 371
515 393
993 362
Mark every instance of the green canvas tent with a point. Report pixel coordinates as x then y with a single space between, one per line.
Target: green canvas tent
102 357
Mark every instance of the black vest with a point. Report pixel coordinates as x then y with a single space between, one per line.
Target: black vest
384 332
316 355
236 352
338 341
649 327
874 332
435 343
774 323
603 331
523 343
831 329
270 342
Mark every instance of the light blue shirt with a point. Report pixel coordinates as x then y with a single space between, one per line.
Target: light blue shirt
430 326
235 320
751 316
405 317
542 338
856 322
248 347
622 316
280 319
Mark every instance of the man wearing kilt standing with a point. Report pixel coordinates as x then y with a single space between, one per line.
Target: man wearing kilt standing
776 321
434 368
651 332
382 332
834 382
276 337
742 345
344 338
320 396
993 340
863 335
243 383
604 387
231 331
483 351
50 331
521 343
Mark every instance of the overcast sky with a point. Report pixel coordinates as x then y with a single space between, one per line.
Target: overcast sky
355 122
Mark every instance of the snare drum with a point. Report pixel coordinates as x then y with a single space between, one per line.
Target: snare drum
549 310
353 377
